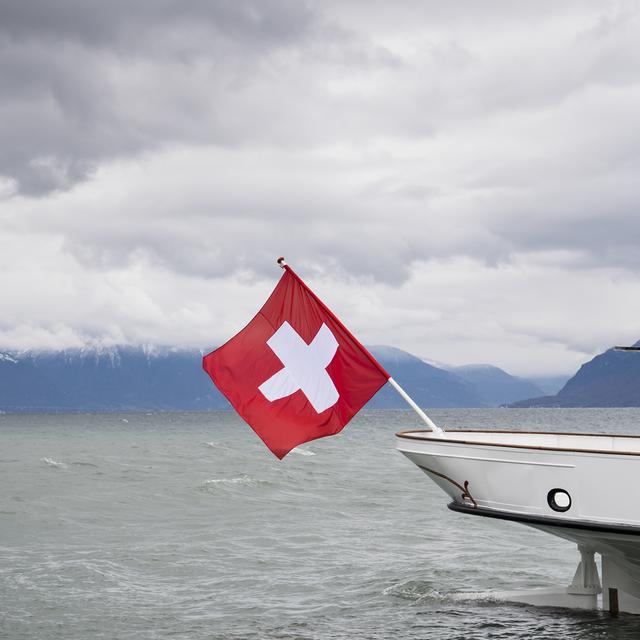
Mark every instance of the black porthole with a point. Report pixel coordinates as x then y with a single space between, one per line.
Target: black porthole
559 500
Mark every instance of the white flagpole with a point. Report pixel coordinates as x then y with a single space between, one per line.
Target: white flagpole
425 418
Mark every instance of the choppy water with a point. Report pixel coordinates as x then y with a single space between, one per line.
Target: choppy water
185 526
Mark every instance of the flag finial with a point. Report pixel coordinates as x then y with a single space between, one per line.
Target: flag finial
282 262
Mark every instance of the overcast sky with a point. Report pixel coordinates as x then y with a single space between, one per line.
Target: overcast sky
460 180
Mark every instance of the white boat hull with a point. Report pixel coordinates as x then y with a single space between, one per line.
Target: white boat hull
577 487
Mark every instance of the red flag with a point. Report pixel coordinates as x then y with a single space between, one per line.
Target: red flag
295 373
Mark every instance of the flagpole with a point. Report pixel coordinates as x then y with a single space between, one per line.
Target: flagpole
423 416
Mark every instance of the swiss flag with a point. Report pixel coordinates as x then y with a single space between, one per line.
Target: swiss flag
295 373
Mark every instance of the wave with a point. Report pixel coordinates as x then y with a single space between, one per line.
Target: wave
414 590
239 480
212 444
243 480
54 463
302 452
480 596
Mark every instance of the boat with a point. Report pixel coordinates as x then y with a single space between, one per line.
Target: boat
577 486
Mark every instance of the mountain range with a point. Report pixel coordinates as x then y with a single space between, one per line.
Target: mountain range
611 379
168 379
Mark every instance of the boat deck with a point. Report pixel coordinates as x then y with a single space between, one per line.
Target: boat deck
588 442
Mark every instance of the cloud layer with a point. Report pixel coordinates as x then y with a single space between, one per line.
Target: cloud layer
457 180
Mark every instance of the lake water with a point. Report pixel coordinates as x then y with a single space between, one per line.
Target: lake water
185 526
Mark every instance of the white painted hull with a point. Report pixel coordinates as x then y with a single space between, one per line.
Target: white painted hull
512 472
578 487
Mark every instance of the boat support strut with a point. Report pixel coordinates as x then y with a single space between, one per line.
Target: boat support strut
582 593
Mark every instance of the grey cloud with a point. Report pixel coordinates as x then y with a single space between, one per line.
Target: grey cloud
83 82
86 82
126 25
89 82
461 177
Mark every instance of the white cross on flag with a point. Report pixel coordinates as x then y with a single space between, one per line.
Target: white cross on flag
295 373
305 367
